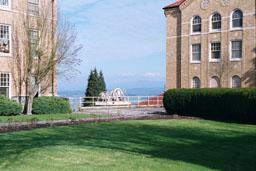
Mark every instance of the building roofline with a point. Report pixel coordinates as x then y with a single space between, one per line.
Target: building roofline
175 4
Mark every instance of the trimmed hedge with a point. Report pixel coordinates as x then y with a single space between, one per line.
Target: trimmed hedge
9 107
51 105
218 104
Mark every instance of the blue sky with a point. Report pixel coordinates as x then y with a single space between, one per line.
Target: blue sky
123 38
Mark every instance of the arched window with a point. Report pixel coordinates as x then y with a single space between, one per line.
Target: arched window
215 82
196 82
236 82
196 24
237 19
216 21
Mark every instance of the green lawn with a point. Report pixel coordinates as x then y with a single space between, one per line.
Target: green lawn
45 117
132 145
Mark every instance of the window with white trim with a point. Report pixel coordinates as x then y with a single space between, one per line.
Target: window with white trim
196 24
196 82
237 19
236 82
33 7
236 49
215 82
215 51
4 84
4 3
34 42
216 21
196 53
4 39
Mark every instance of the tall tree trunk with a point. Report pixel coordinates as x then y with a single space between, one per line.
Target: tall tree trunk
31 96
29 105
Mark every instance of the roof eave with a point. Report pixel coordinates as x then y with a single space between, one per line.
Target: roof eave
170 7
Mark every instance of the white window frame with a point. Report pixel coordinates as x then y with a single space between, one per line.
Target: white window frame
31 14
38 34
215 30
231 20
192 86
191 53
8 7
231 51
210 53
10 41
10 83
191 22
232 81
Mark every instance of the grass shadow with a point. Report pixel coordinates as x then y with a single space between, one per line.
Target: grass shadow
211 144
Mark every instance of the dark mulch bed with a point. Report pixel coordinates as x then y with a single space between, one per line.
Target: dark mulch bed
31 126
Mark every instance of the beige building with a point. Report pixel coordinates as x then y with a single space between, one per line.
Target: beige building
12 13
210 43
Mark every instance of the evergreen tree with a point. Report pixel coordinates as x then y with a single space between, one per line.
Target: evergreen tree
96 85
92 86
102 84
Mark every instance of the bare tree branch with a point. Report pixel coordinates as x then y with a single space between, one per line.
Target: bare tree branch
46 44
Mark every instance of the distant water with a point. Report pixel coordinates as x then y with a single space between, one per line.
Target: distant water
75 95
127 92
143 91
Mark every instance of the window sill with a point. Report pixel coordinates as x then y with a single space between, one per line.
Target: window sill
196 33
236 60
5 54
214 60
215 31
236 28
31 14
5 8
195 62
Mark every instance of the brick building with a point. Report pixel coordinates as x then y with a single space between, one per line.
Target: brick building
12 13
210 43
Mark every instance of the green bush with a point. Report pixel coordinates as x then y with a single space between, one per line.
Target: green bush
9 107
218 104
51 105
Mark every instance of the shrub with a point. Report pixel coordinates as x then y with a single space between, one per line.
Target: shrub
219 104
9 107
51 105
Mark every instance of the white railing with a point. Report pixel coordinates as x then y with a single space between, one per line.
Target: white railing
127 101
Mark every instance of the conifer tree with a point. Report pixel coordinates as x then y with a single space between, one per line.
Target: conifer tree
96 85
92 85
102 84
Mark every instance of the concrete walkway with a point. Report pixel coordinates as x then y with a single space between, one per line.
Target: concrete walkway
19 124
122 111
114 113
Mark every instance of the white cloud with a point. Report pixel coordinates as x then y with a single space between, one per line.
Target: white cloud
112 30
120 35
149 74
